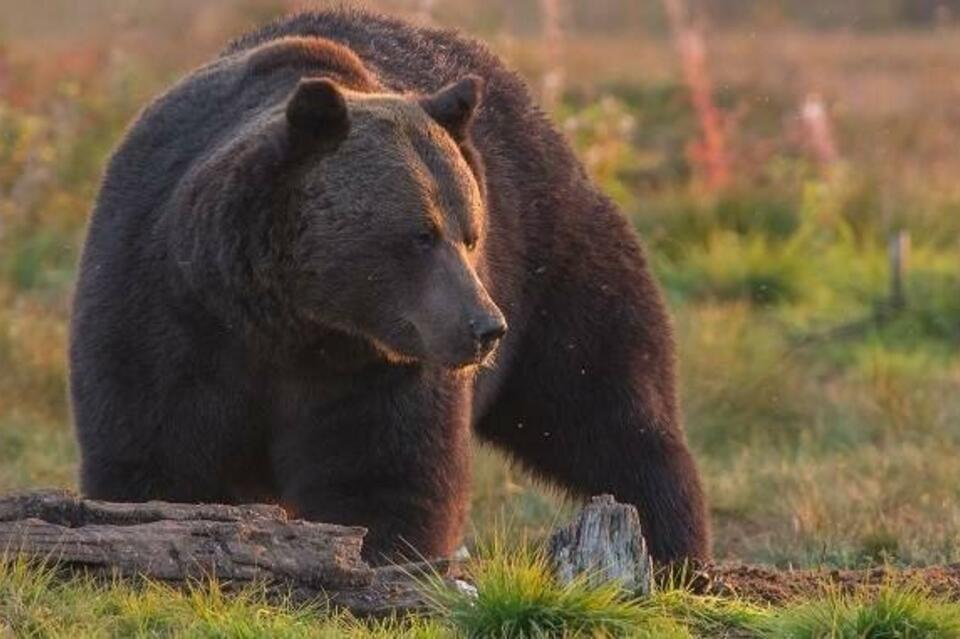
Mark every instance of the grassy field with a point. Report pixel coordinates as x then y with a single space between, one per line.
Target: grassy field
518 598
819 446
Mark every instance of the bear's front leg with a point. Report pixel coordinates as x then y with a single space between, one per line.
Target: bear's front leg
394 459
589 400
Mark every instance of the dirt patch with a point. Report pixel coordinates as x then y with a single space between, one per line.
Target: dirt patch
763 584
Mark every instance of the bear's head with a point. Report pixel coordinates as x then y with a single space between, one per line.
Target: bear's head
389 197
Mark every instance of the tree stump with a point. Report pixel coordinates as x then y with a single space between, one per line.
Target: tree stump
604 543
177 543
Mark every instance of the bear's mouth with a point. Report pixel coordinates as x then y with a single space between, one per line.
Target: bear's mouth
466 361
477 359
404 343
403 346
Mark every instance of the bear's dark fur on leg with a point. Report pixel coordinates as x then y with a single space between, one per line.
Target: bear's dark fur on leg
413 480
589 400
315 262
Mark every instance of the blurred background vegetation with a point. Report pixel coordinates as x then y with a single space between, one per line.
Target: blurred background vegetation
766 151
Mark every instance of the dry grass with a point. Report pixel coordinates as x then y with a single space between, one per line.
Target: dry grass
832 452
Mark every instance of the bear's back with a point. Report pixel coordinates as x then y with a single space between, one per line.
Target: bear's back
212 105
512 133
406 58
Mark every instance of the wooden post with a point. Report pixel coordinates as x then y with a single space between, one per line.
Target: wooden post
899 251
604 543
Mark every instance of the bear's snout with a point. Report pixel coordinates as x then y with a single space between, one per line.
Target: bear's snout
487 331
457 323
464 338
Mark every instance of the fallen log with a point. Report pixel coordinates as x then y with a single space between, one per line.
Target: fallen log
239 545
178 543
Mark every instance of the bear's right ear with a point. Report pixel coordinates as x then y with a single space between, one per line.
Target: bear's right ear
317 113
454 105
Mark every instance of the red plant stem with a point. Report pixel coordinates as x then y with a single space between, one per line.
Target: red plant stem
710 153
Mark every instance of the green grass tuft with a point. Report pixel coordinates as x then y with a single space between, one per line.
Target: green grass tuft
518 597
892 613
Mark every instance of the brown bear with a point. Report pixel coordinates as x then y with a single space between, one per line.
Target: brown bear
319 262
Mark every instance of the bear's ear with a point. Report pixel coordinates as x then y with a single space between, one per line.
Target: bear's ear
453 106
317 112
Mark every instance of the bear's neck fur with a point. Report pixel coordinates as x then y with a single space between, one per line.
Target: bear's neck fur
311 53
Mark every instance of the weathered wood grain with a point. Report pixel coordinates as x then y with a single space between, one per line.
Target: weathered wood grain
180 542
603 543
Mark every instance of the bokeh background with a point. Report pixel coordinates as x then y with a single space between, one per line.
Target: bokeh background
792 165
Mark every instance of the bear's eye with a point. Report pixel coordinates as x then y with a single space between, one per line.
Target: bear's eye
427 239
470 243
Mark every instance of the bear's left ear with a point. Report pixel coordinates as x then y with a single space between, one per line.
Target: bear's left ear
454 105
317 113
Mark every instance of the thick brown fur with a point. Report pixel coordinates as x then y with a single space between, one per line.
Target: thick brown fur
275 306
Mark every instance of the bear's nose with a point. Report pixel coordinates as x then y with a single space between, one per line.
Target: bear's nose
487 331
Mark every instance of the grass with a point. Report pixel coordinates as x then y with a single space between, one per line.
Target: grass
905 613
34 603
818 448
518 598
